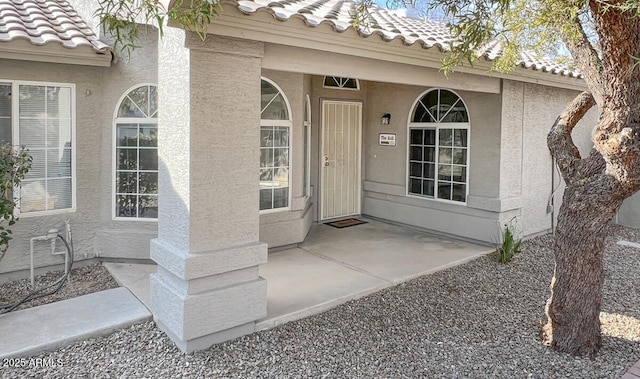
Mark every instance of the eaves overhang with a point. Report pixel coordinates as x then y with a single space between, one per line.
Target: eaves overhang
397 39
54 53
49 31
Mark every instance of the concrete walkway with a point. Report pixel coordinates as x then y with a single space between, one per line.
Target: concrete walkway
330 267
47 327
633 372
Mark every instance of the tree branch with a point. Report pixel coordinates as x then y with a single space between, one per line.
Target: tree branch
592 165
583 52
559 138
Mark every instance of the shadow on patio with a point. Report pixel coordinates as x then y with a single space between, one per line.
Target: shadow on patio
333 266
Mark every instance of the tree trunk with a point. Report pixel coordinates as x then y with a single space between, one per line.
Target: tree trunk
598 184
596 187
576 288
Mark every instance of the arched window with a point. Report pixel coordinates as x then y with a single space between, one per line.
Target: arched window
341 83
439 147
136 154
275 131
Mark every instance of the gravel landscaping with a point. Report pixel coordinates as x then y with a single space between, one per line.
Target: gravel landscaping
83 280
477 320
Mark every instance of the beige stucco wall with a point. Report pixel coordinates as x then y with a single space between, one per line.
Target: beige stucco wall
385 171
280 228
123 238
541 106
98 91
510 173
89 129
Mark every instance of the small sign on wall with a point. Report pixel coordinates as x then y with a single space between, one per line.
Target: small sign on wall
387 139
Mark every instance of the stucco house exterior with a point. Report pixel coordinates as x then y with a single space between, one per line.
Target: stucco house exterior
201 155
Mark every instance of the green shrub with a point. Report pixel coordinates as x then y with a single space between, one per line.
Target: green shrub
14 165
510 245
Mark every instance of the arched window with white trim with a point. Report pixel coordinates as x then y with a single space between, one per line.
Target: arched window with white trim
438 156
275 157
136 154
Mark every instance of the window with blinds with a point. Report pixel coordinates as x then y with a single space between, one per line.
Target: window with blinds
5 113
39 116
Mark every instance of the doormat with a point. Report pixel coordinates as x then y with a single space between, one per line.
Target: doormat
345 223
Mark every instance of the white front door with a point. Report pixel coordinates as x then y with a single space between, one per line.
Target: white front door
340 180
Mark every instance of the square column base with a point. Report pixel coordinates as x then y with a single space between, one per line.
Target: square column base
207 341
200 299
190 317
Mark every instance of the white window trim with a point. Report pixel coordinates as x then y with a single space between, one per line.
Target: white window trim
114 163
283 123
307 153
437 126
280 123
15 140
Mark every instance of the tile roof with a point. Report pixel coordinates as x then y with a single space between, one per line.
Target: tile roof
43 22
390 25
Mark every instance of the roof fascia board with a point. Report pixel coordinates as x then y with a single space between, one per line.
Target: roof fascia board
306 61
23 50
262 26
541 78
484 68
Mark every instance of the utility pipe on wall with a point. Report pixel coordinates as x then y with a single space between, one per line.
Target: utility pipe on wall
51 236
31 250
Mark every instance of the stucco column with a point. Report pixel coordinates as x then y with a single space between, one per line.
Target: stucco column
208 289
511 138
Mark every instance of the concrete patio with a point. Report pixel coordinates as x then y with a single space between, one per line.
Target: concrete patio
333 266
330 267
